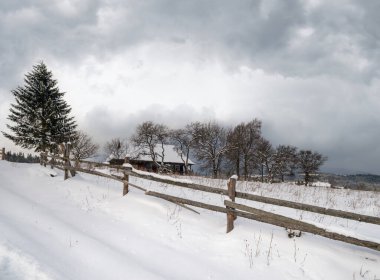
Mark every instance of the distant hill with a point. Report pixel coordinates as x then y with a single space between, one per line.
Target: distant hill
368 182
367 178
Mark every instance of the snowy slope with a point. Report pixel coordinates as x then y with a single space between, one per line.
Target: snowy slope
83 228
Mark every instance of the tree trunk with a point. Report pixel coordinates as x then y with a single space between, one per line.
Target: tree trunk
214 170
238 165
307 178
245 169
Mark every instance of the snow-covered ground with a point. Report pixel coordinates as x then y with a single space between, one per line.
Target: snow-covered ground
83 228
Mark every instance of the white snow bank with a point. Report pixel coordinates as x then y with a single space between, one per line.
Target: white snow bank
321 184
14 264
164 177
83 228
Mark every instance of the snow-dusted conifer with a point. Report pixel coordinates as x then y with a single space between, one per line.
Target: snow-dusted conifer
40 116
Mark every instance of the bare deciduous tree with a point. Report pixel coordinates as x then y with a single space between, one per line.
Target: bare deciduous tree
150 139
243 140
116 148
83 146
309 162
264 152
210 145
284 160
183 142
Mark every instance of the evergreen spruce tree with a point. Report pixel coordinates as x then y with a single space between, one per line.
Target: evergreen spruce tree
40 115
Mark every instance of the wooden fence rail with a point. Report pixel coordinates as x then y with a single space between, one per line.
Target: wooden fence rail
248 196
180 184
269 218
268 200
310 208
232 209
282 221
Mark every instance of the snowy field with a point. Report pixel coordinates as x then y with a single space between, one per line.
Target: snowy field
83 228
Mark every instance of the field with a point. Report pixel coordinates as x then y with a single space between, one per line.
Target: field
83 228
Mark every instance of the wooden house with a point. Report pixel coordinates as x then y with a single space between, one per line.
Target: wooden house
172 160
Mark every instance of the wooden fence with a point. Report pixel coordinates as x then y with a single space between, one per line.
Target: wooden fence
231 209
2 154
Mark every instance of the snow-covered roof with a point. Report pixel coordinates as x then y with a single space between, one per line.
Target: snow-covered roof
170 154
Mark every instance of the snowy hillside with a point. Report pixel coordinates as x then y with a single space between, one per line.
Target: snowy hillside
83 228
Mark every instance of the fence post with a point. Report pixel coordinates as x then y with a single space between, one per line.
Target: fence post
52 162
127 170
3 154
231 193
43 159
72 172
65 155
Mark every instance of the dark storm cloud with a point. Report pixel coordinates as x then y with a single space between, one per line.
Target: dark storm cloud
318 41
293 38
32 30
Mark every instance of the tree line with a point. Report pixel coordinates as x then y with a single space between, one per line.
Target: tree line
40 120
21 157
240 150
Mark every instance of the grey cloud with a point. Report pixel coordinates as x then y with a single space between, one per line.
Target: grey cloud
103 124
32 30
335 40
262 34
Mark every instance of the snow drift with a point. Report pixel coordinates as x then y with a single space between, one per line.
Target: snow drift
83 228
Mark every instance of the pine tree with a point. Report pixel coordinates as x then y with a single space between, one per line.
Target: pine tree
40 115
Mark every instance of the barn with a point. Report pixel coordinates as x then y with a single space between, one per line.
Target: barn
142 160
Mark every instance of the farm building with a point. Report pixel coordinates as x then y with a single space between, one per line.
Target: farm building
142 160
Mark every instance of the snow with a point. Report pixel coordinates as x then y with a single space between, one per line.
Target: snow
164 177
170 155
128 165
83 228
321 184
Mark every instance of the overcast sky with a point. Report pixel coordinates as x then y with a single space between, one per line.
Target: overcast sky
308 69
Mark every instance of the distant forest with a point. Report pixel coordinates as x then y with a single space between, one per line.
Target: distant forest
368 178
20 157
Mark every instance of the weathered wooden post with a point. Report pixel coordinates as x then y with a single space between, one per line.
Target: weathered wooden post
72 171
52 162
231 193
127 171
3 154
66 156
43 158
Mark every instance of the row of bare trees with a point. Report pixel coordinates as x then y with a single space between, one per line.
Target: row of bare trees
217 150
241 150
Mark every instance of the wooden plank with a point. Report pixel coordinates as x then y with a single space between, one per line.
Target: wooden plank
181 205
282 221
101 164
188 202
97 164
97 173
156 179
180 184
310 208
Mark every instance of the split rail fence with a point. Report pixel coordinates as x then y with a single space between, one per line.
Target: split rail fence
231 209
